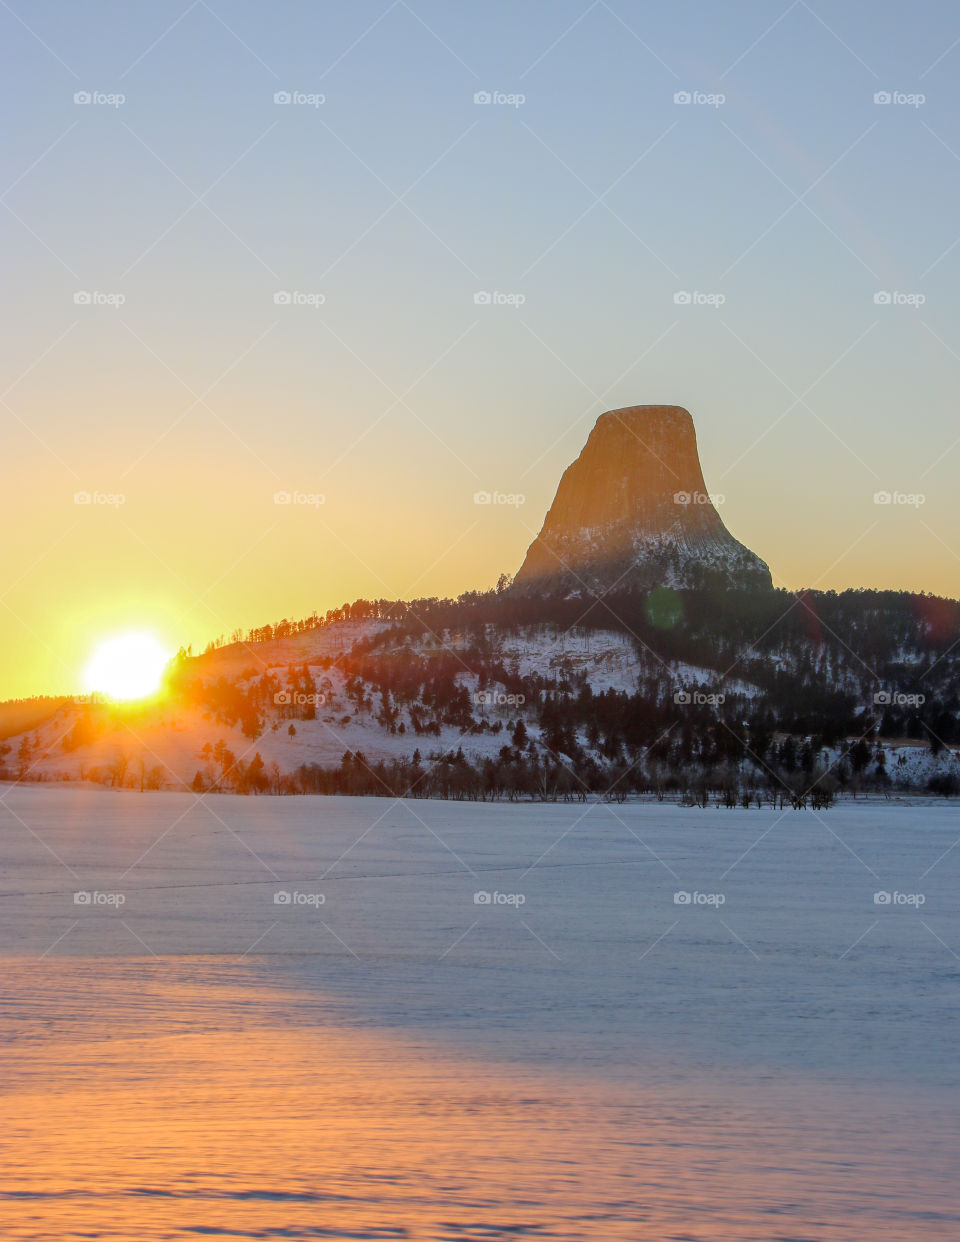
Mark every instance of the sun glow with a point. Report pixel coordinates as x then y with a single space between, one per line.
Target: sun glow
127 666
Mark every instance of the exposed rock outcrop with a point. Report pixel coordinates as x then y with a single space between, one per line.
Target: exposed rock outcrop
633 511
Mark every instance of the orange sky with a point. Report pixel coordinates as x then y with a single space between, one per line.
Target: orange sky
433 280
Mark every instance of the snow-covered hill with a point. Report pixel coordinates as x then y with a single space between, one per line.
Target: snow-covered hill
198 740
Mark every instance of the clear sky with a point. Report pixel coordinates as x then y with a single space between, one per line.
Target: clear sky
383 198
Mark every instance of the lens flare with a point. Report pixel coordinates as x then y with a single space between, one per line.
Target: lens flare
127 666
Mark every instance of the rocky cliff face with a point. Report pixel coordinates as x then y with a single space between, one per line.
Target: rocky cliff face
633 511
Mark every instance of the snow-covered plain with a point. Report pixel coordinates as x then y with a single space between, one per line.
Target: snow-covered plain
295 1018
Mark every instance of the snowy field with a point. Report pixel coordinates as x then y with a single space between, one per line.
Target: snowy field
300 1018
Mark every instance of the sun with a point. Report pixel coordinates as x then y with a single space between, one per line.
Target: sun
127 666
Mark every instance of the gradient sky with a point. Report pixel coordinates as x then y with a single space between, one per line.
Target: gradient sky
597 199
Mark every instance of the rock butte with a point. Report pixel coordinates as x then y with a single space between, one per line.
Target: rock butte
633 512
